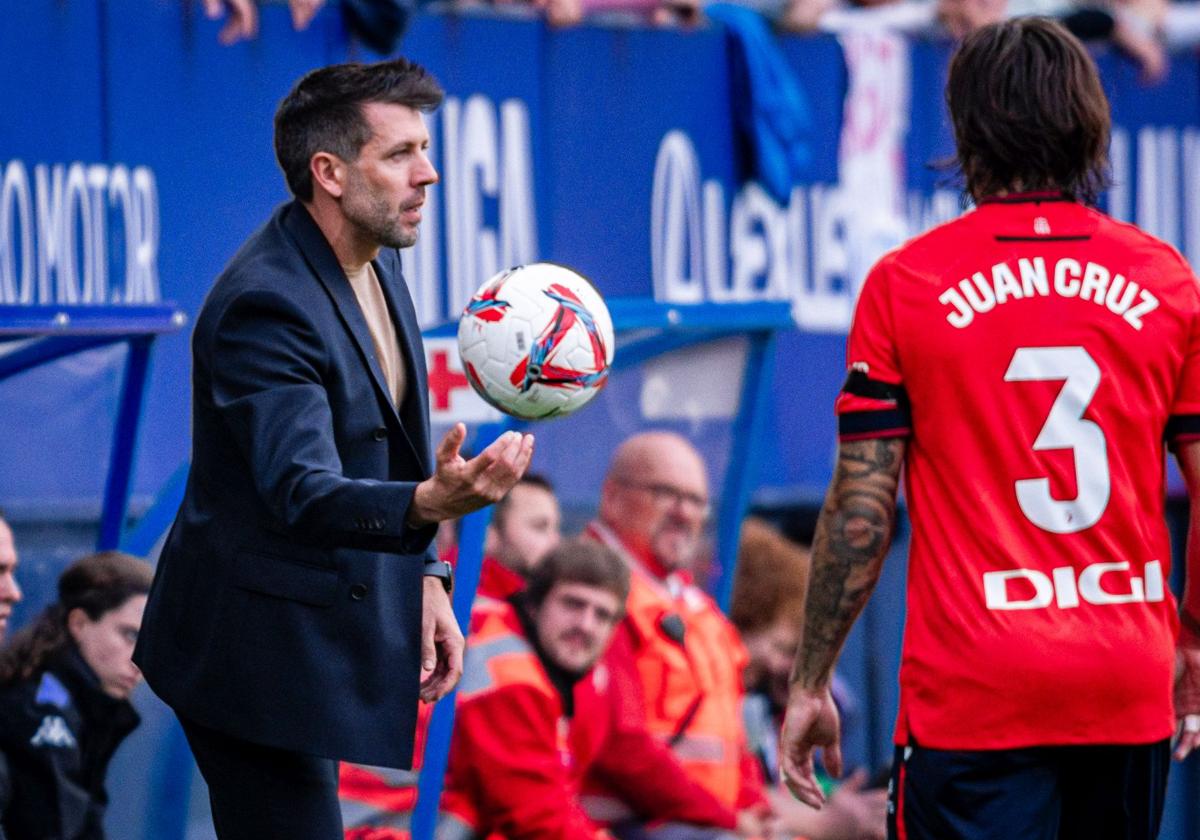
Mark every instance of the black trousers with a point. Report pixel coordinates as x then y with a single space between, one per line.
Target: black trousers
259 792
1103 792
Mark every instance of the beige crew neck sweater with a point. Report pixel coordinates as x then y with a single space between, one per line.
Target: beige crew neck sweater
383 332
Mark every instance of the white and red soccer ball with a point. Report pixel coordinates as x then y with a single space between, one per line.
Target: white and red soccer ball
536 341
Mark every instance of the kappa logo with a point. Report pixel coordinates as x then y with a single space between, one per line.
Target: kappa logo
53 732
1041 226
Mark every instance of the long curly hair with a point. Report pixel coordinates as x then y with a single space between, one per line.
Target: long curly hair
96 584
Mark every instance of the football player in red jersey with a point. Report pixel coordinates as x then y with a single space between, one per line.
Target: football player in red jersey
1028 363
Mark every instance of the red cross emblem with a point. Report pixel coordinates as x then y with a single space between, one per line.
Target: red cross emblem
443 381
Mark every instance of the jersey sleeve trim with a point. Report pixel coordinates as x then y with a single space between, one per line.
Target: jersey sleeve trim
859 384
872 408
860 425
1182 427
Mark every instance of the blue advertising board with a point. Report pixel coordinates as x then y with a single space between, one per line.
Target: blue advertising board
575 146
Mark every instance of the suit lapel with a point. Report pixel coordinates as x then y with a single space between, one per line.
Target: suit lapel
324 264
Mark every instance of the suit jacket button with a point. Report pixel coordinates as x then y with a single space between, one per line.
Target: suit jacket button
358 591
379 434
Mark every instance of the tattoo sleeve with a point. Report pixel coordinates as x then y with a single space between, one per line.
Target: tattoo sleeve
853 533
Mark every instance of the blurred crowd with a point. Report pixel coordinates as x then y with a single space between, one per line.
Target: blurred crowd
1145 30
604 693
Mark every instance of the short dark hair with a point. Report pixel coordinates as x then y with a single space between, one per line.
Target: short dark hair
323 112
1029 111
579 561
500 509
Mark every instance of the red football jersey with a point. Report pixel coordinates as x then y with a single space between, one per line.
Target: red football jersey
1038 355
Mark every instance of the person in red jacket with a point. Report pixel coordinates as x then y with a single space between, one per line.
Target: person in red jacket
534 715
377 804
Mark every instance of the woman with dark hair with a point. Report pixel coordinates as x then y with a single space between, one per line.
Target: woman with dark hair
65 683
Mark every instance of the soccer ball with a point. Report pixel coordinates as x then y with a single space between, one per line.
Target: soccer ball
536 341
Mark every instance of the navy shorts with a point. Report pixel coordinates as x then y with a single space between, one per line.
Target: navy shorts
1103 792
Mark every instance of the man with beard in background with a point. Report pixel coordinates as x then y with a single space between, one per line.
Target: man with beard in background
676 655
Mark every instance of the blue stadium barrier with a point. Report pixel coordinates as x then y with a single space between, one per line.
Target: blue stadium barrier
38 336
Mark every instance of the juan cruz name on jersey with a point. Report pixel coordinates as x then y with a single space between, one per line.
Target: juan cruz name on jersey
1091 282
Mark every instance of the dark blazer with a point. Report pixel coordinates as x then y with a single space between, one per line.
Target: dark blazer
286 608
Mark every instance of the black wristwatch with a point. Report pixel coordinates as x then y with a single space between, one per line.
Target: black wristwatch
441 569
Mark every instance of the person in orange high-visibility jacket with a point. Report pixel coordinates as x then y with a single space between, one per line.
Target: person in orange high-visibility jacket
534 716
677 649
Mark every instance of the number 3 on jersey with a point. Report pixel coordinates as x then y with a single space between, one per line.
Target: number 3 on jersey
1065 428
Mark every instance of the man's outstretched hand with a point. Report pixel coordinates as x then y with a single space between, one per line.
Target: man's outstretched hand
811 721
459 486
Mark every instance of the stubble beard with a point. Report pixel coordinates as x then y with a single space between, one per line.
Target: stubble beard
397 236
382 227
379 221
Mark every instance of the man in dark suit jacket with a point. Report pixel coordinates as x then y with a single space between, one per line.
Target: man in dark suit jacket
297 604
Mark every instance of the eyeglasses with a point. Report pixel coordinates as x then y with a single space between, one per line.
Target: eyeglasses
665 494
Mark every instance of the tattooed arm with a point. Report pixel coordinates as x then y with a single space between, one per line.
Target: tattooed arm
853 534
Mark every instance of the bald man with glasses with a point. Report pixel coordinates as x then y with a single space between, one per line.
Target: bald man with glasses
676 656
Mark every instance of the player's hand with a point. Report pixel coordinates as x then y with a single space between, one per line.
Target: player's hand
441 643
241 22
811 721
459 486
1187 695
